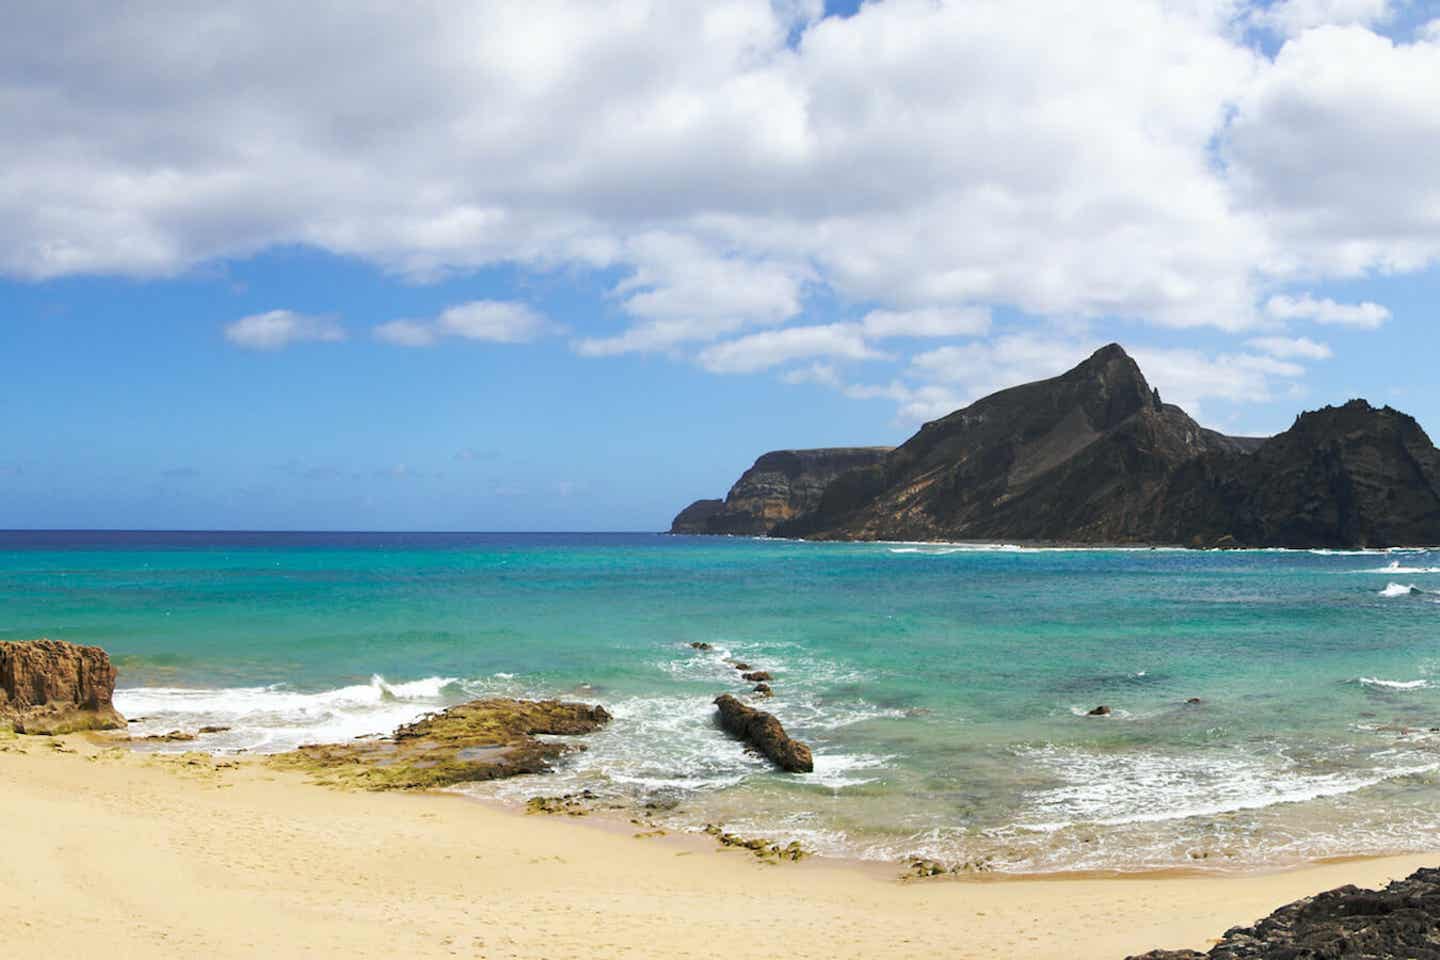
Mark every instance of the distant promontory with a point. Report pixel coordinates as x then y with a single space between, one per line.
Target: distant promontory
1094 456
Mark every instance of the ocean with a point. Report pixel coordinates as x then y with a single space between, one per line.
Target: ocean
944 689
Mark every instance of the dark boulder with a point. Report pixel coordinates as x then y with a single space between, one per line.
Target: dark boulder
765 734
1402 920
756 676
699 645
1100 711
763 689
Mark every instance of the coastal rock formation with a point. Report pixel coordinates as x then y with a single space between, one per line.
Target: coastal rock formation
1095 456
763 732
480 740
1351 476
54 687
781 485
696 517
1402 920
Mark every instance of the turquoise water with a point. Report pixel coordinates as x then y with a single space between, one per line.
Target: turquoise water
942 688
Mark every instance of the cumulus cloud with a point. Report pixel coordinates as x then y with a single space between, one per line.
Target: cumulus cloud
1298 347
927 322
1365 315
737 172
1291 17
762 351
276 329
495 321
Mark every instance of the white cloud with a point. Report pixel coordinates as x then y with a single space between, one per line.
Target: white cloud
927 322
1334 146
725 166
1191 377
824 374
276 329
1301 348
684 290
1366 315
407 333
1291 17
495 321
771 348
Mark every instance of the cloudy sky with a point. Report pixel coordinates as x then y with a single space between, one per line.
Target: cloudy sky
569 264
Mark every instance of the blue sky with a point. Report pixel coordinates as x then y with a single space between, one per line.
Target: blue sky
586 265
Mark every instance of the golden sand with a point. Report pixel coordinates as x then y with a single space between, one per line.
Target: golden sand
114 854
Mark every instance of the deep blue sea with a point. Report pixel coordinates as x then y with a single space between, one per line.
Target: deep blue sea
943 688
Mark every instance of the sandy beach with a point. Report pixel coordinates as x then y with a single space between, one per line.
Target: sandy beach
147 856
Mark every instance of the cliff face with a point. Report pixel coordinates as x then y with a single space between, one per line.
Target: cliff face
1077 457
1095 456
52 687
1350 476
782 485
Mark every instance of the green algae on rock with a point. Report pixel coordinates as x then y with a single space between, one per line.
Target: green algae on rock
480 740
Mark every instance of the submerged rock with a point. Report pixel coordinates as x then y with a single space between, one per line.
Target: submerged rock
763 732
1100 711
481 740
1402 920
699 645
757 676
54 687
763 689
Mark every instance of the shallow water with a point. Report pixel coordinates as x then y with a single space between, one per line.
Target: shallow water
943 689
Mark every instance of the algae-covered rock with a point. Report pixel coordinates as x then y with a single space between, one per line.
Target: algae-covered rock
481 740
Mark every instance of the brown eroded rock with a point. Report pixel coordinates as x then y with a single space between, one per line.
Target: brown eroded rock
757 676
480 740
763 732
53 687
763 689
1100 711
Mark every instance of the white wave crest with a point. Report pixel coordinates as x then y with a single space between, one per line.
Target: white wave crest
274 718
1101 789
1396 568
1394 684
1400 590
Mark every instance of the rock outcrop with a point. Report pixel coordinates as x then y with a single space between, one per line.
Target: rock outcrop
1095 456
696 517
1402 920
54 687
765 734
781 485
480 740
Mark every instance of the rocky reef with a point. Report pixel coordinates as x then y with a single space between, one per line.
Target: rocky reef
1096 456
782 485
763 733
480 740
54 687
1402 920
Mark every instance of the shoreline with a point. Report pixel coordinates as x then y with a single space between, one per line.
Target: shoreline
240 859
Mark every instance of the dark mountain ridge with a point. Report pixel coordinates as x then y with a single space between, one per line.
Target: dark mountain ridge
1095 456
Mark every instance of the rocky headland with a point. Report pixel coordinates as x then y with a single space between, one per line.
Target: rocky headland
781 486
52 687
1095 456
